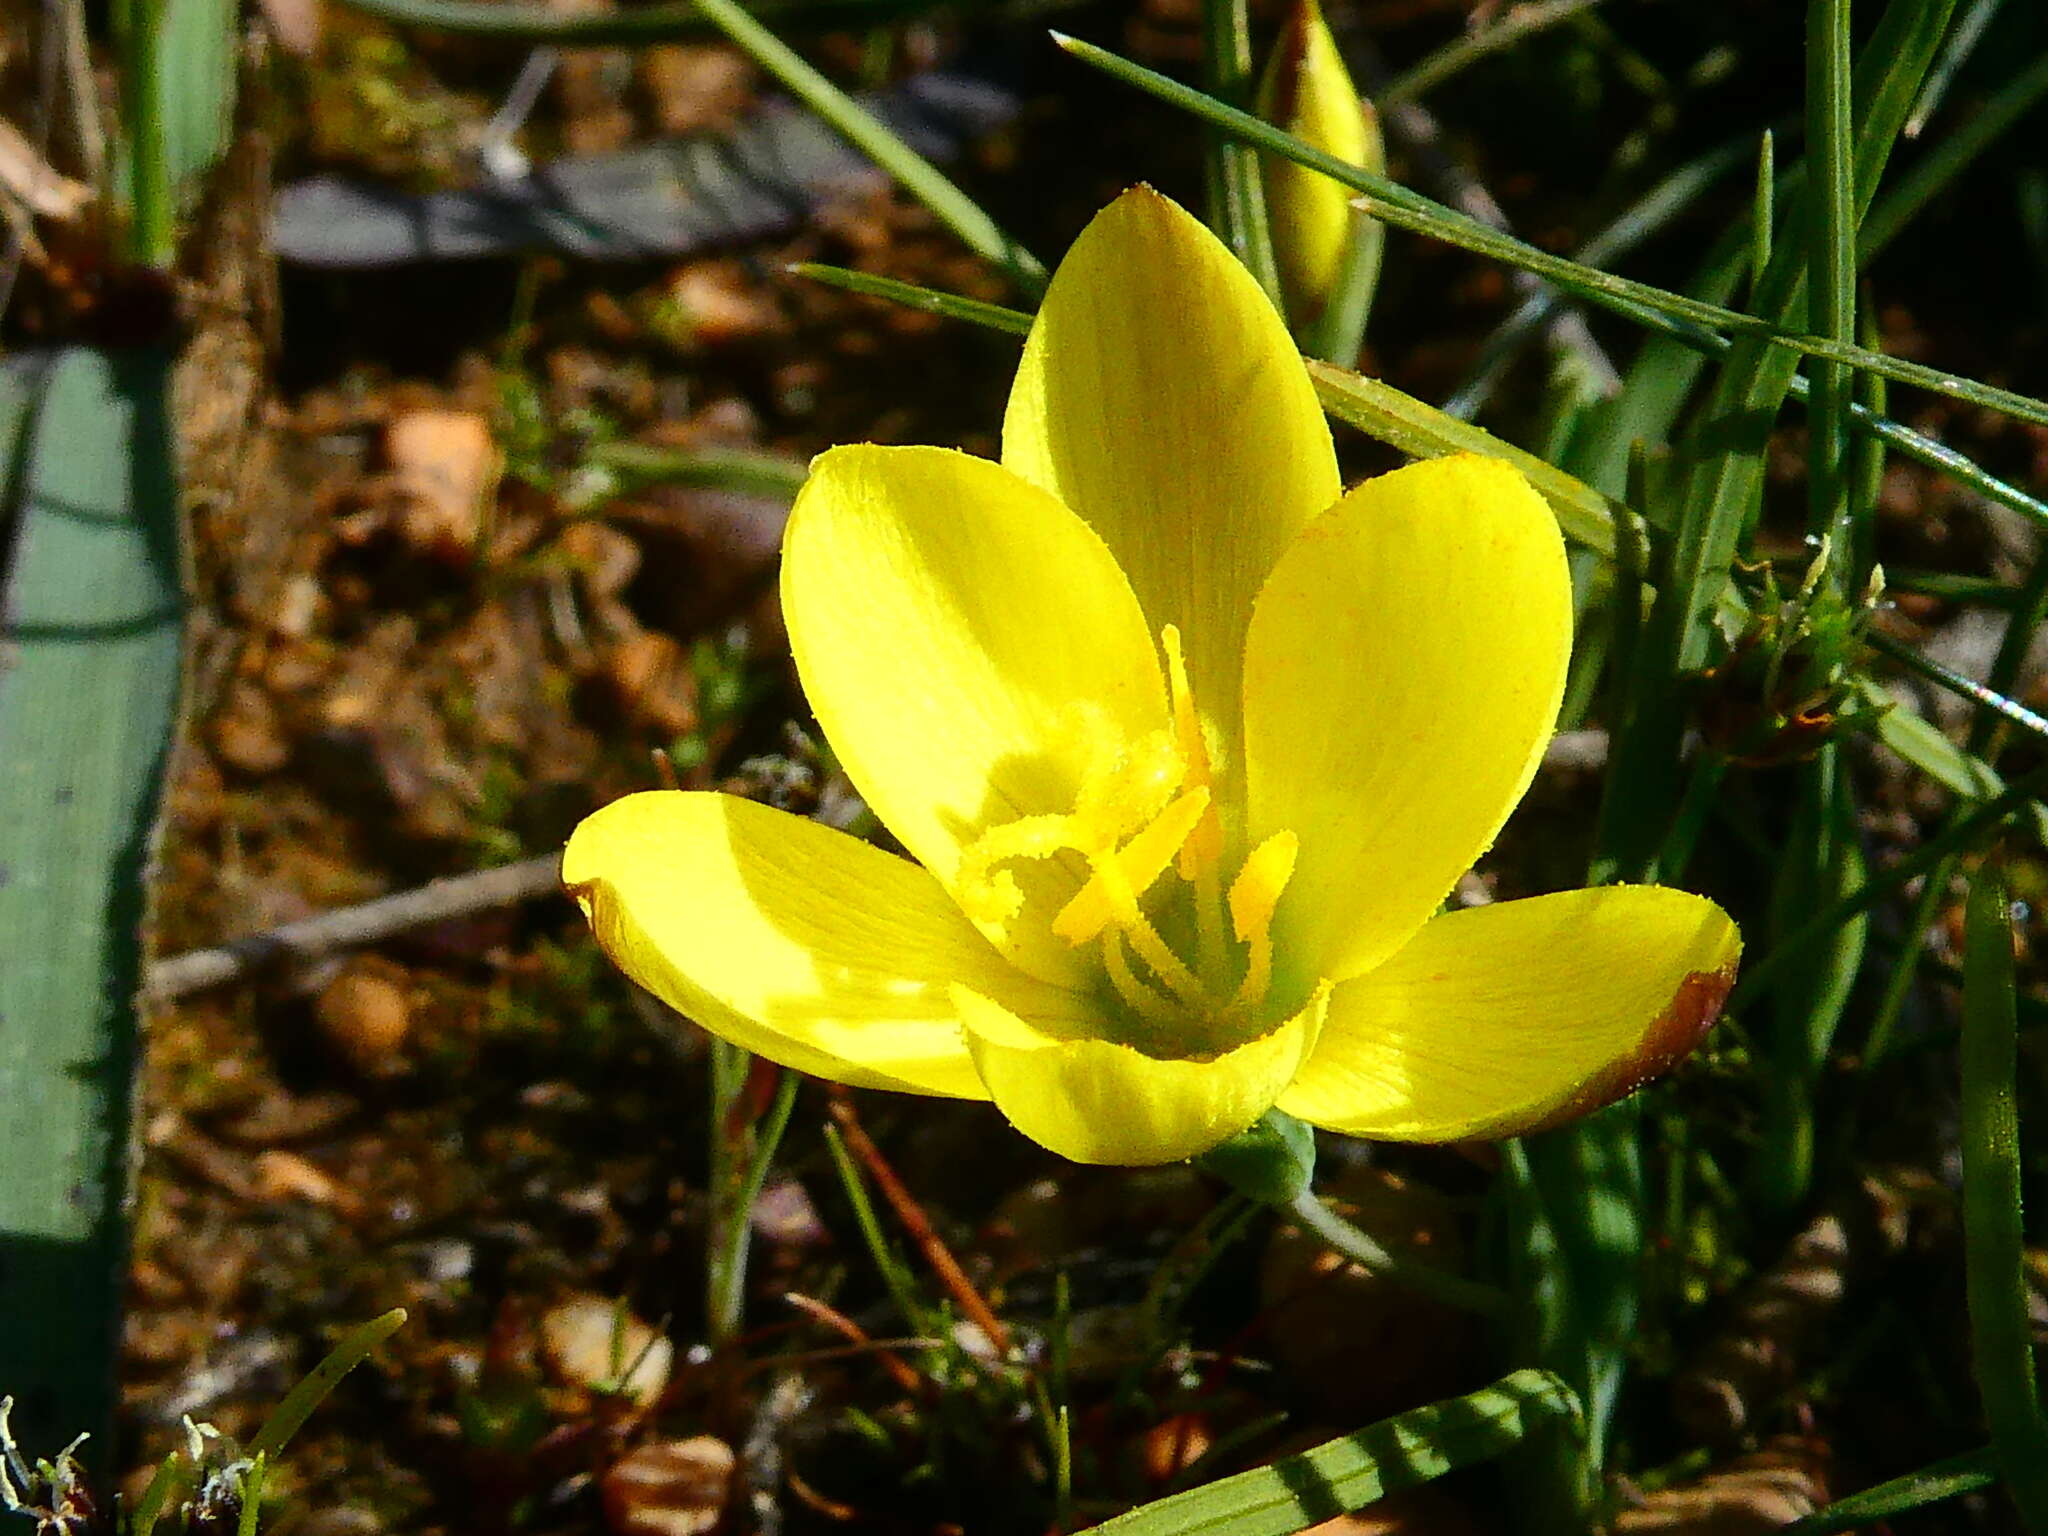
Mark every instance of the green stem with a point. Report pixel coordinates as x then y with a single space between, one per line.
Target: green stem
1364 1251
2001 1334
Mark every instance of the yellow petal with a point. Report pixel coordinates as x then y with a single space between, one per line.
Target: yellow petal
969 647
798 942
1503 1019
1161 399
1402 675
1095 1101
1308 91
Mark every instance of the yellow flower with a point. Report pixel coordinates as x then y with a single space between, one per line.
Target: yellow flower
1189 748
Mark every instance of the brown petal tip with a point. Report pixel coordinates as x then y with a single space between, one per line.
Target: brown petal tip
1674 1035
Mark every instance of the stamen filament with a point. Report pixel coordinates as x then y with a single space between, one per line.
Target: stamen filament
1141 999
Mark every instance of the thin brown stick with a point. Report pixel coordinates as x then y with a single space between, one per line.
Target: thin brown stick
919 1228
351 927
831 1317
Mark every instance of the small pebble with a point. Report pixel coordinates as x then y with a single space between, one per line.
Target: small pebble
669 1487
365 1014
591 1341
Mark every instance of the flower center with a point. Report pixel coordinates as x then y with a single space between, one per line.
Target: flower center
1190 964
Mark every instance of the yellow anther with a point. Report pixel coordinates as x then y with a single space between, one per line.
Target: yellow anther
1141 861
1256 890
1205 846
1254 895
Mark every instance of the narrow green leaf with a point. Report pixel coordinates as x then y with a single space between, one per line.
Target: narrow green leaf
1641 219
1930 1485
289 1416
1966 833
1407 209
1762 214
1830 274
928 300
722 469
1461 53
1952 153
92 634
918 176
1237 193
1424 432
1347 1474
639 24
1994 1242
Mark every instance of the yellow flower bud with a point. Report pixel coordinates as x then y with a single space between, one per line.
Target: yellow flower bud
1308 92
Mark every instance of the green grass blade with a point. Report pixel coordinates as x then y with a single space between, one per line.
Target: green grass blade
928 300
1831 275
1347 1474
93 636
1574 1203
1398 414
1461 53
1930 1485
1961 43
1643 218
1422 431
1949 156
1762 212
917 175
1237 193
1966 833
178 60
2001 1335
720 469
1407 209
355 1347
640 24
1822 864
1977 693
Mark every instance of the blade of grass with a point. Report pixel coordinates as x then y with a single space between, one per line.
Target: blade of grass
1520 21
917 175
1237 193
1634 224
1346 1474
896 1275
640 24
728 1303
1994 1242
1965 834
1407 209
355 1347
1962 42
1830 278
1930 1485
930 301
1402 420
1950 155
723 469
1823 862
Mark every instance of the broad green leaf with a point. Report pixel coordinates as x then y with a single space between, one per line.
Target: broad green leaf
1347 1474
92 638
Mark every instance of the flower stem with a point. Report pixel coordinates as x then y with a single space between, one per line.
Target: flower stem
1361 1249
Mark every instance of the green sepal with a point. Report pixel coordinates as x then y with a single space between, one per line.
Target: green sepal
1272 1160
